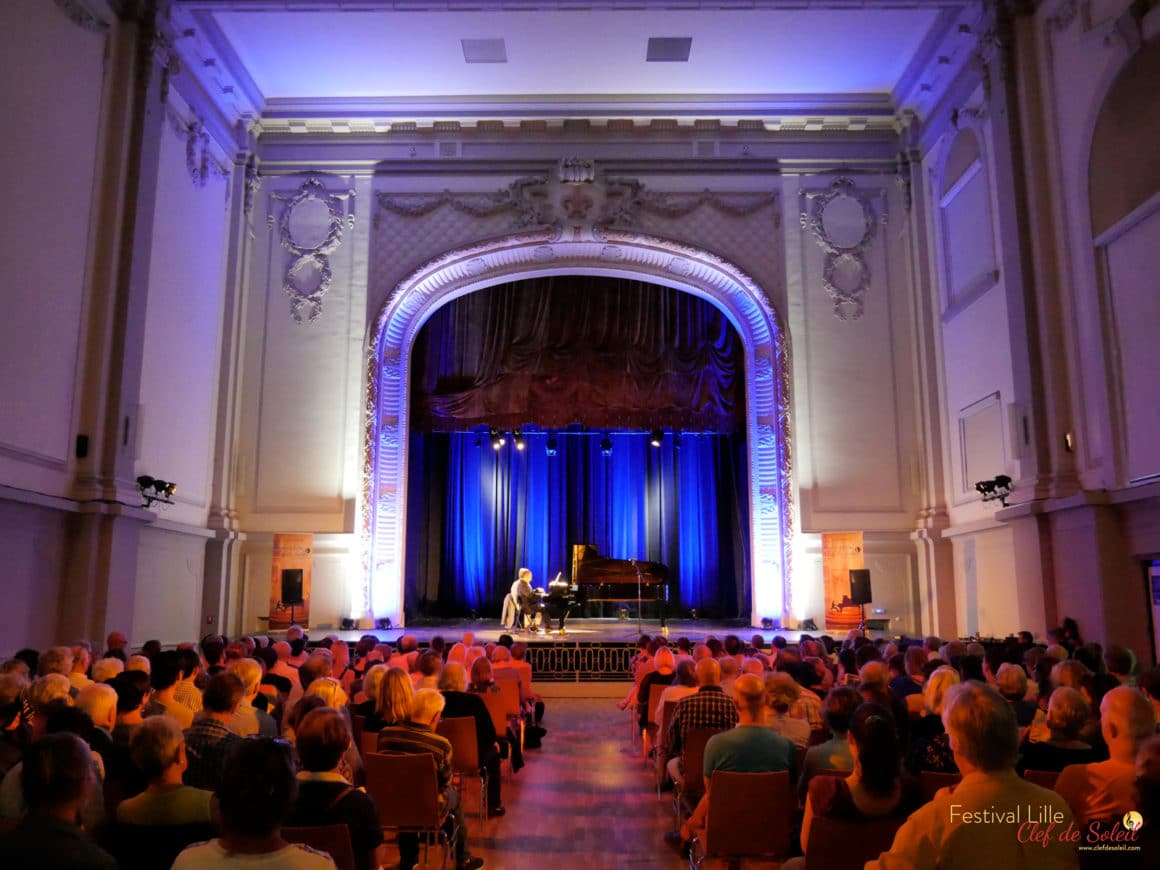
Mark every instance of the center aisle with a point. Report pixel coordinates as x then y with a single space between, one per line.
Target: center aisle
583 802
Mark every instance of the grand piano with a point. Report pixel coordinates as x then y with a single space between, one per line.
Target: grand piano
598 579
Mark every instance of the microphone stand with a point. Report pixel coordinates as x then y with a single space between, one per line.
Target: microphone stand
639 606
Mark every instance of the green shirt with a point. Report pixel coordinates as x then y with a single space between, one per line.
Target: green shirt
748 749
183 805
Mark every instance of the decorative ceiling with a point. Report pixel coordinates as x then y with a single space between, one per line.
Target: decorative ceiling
375 58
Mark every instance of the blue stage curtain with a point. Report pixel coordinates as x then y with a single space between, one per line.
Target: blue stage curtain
476 515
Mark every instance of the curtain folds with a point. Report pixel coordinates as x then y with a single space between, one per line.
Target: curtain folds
578 349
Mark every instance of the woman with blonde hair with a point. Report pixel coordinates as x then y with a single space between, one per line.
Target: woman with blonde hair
393 702
930 747
782 692
370 687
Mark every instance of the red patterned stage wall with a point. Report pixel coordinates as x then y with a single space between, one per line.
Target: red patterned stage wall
841 552
292 553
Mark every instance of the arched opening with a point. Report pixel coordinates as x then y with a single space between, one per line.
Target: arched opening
392 337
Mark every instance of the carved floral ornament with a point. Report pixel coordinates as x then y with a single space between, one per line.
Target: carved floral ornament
843 222
310 227
577 198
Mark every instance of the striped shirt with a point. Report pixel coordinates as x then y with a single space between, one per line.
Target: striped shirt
412 739
188 694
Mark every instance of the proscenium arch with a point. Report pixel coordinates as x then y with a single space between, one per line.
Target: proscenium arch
379 591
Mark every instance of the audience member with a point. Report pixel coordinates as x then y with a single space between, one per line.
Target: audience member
1067 712
164 678
708 708
324 795
209 742
460 703
782 692
132 689
249 720
984 738
1102 790
56 780
254 797
82 659
750 747
417 735
158 750
930 747
833 754
393 702
874 789
13 733
187 692
1011 681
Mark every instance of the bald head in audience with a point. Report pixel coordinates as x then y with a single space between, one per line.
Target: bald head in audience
708 672
1126 719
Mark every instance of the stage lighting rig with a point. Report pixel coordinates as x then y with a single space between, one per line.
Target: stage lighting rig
552 447
153 490
497 439
518 440
657 437
998 489
606 445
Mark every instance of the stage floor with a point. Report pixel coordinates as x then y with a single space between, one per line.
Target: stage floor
577 631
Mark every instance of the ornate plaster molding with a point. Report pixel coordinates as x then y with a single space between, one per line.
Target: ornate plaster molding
308 274
80 15
200 161
253 183
846 272
577 200
643 256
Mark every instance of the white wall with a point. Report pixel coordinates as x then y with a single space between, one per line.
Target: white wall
170 572
35 539
53 75
179 375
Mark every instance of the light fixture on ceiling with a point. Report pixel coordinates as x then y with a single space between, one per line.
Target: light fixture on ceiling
552 446
606 445
497 439
518 440
657 437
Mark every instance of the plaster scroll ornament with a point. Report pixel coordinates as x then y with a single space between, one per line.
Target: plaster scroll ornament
310 227
843 222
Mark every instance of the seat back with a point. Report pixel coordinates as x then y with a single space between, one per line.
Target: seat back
1045 778
405 789
930 782
496 708
667 710
749 815
151 847
509 690
368 743
845 845
693 761
654 703
356 728
334 840
460 733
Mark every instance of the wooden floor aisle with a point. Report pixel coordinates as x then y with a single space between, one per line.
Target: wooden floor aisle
583 802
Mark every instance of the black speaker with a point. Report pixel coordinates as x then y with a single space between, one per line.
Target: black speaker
291 585
860 586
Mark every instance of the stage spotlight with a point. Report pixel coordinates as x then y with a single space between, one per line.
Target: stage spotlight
657 436
518 439
348 623
553 445
606 446
145 481
496 439
768 624
383 624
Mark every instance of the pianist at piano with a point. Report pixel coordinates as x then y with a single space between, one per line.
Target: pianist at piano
525 600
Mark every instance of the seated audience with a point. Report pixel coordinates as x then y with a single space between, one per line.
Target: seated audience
909 682
417 735
393 700
187 692
710 707
427 675
930 745
874 789
372 679
132 689
1103 789
209 742
284 669
748 748
1067 711
163 677
254 797
662 675
56 781
158 750
834 754
460 703
684 682
82 660
325 797
782 692
984 738
13 733
1011 681
249 720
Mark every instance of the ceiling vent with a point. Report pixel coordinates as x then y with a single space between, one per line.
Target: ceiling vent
484 50
669 49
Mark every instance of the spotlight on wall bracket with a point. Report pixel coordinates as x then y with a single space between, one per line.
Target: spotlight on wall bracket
153 490
999 489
